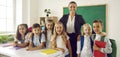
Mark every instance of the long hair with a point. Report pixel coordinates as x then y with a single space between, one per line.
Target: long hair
18 35
84 25
63 34
49 21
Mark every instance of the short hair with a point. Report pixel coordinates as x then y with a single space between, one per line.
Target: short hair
98 21
36 25
73 3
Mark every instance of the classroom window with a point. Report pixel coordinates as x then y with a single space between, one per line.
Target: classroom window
8 15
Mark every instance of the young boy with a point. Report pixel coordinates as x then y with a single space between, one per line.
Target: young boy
97 27
37 40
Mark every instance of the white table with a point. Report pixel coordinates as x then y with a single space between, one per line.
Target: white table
23 53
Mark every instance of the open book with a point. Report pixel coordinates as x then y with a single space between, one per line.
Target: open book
48 51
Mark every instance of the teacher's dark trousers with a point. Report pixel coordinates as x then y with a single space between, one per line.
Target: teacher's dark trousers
73 42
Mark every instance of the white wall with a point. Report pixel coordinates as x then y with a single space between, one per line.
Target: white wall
30 12
113 22
56 7
25 10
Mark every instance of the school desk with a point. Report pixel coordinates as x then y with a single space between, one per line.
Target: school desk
23 53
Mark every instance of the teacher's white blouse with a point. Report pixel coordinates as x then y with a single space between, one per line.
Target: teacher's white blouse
70 25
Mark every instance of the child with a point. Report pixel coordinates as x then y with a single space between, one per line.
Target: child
37 39
60 40
21 36
48 32
97 27
85 43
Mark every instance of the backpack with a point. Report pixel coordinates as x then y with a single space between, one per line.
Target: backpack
114 49
113 45
33 39
82 42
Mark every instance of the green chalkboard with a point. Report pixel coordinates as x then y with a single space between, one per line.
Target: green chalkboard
90 13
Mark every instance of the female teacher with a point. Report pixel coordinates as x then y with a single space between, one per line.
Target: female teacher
72 23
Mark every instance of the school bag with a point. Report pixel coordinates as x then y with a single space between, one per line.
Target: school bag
82 42
33 39
113 45
114 48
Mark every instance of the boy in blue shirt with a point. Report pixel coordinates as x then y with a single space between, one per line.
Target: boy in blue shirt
37 40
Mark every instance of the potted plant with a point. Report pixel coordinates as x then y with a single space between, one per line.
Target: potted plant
47 11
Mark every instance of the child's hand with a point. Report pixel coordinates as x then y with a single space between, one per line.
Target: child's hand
14 44
60 49
28 48
78 55
63 50
95 47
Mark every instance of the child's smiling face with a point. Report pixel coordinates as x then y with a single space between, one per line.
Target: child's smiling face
36 31
87 30
59 29
49 25
22 29
97 27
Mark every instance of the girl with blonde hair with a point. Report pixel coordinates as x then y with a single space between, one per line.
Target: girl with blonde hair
60 40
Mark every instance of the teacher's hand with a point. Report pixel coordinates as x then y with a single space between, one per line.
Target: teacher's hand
78 38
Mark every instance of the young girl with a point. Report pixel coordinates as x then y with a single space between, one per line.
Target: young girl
49 32
85 43
37 38
97 27
60 40
21 36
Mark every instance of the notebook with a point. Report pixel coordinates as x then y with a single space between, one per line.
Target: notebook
101 45
48 51
15 48
6 45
